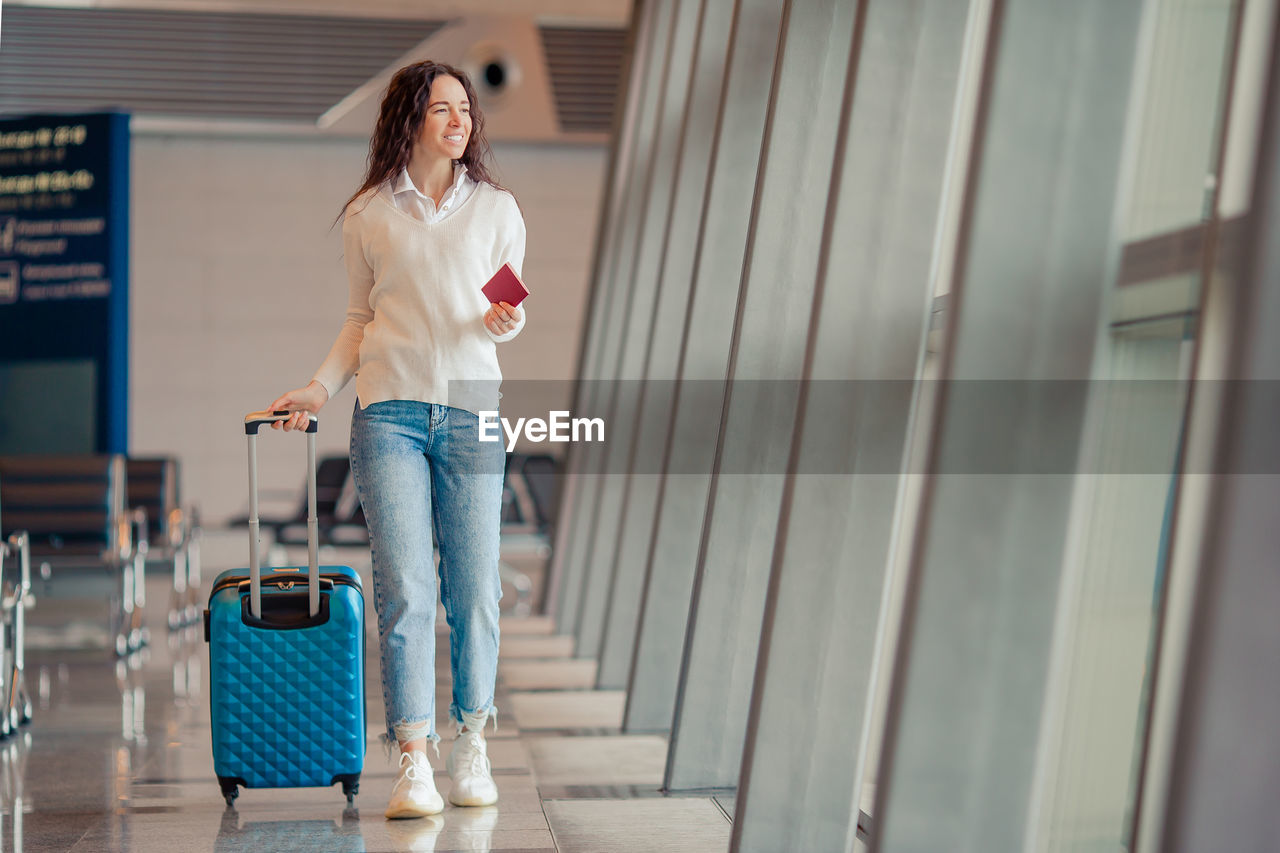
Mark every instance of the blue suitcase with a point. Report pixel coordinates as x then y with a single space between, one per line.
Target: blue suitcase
286 663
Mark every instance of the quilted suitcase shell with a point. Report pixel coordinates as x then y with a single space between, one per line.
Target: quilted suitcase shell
287 704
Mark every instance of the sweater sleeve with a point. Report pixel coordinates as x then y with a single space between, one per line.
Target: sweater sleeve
344 357
513 253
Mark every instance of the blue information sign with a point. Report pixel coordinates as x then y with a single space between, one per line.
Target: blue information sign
64 283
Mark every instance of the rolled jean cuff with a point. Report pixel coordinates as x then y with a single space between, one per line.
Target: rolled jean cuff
404 732
474 721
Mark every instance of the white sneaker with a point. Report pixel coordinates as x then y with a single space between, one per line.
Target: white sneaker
414 793
469 768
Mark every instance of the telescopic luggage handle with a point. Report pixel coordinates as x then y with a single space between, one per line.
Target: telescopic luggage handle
252 421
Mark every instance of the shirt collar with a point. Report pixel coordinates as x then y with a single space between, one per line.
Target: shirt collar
403 183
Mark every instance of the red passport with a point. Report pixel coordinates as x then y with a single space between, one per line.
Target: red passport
505 286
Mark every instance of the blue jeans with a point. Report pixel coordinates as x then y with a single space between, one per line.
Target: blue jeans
412 462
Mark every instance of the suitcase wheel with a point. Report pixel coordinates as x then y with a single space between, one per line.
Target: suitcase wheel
230 790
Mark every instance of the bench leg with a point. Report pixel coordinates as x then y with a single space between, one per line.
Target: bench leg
122 608
6 672
19 700
138 633
177 615
195 607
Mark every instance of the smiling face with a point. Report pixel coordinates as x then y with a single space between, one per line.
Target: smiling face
446 128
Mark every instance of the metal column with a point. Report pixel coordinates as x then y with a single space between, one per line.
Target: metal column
609 305
719 252
773 311
1224 778
802 769
1038 249
644 284
656 397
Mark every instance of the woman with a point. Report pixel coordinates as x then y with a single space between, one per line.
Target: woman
423 233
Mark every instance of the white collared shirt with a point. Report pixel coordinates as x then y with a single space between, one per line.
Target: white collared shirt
408 199
415 329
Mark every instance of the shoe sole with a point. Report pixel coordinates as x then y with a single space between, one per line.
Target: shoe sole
474 801
406 812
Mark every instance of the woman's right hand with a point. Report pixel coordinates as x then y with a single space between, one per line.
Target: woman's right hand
300 401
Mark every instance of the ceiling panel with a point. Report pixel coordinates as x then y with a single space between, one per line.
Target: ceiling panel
258 67
278 67
585 64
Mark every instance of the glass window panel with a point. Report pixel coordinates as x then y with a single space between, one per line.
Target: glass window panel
1108 614
1181 109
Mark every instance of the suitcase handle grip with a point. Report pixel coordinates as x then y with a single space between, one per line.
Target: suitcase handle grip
253 420
288 585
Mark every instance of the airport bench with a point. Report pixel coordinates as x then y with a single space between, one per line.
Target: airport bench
73 509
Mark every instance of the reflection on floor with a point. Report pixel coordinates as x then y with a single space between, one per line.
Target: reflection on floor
118 759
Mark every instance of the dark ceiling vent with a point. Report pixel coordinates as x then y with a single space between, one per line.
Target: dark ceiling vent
192 64
585 65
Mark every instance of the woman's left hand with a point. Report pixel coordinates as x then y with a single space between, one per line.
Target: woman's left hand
502 318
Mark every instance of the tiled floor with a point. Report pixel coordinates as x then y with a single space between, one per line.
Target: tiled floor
553 674
669 825
118 759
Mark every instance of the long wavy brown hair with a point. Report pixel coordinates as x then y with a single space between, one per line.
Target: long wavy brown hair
400 117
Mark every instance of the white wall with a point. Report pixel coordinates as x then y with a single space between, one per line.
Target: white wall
238 291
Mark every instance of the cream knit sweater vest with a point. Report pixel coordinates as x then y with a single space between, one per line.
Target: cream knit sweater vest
414 327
